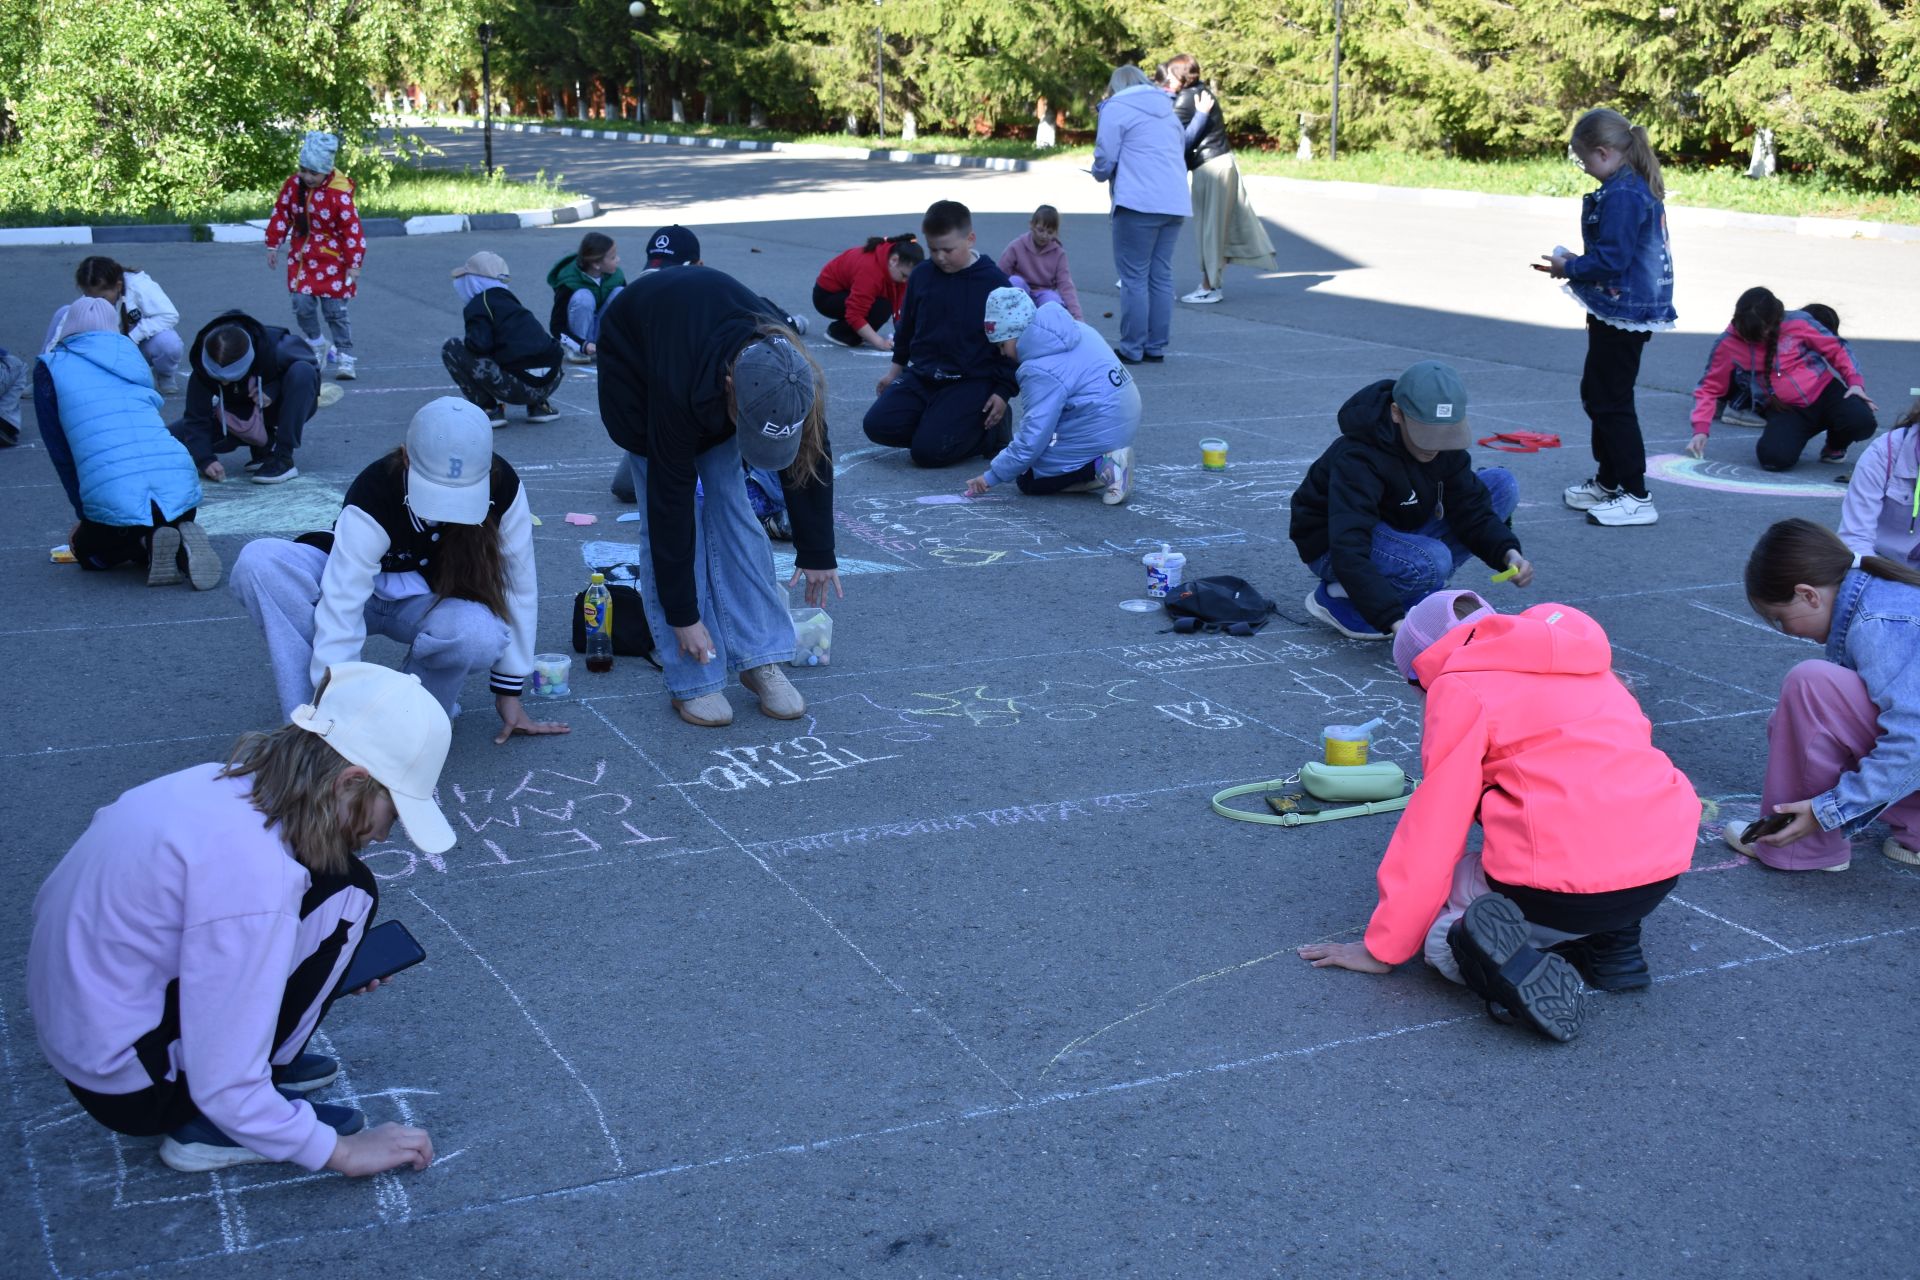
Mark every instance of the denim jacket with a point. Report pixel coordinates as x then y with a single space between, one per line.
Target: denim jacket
1624 274
1876 632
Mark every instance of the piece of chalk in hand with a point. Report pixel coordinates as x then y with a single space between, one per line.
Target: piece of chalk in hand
1507 574
711 655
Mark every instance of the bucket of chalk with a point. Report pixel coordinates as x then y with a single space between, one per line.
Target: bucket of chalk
1345 744
551 673
1213 454
1166 568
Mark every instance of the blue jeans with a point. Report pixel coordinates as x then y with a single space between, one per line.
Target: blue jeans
1420 563
309 310
583 318
743 606
1143 255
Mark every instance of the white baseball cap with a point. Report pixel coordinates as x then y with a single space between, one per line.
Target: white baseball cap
388 724
449 462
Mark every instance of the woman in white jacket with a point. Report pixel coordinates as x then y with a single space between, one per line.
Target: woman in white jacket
147 315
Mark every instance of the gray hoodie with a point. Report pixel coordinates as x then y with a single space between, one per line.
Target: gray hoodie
1142 150
1078 401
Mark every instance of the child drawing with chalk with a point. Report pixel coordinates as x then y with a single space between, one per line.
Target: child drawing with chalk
1623 277
1585 825
1881 515
1843 746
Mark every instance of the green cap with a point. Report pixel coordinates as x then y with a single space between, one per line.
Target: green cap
1433 401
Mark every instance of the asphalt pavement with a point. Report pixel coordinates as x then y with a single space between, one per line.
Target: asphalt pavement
959 975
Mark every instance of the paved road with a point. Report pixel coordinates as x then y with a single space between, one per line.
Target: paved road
959 976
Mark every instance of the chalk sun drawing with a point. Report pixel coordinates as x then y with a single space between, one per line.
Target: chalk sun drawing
1730 477
249 510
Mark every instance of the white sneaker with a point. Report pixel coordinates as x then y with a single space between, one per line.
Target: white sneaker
1588 494
1203 295
1622 510
347 369
1900 853
1118 473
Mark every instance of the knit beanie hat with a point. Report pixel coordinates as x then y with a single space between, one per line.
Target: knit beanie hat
89 315
1009 312
1427 622
317 152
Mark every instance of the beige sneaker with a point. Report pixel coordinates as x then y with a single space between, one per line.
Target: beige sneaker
778 697
709 710
1901 853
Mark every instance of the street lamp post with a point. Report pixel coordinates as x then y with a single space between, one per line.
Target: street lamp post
637 11
880 71
1333 131
486 90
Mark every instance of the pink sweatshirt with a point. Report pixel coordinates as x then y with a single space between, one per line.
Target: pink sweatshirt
1806 358
180 879
1042 269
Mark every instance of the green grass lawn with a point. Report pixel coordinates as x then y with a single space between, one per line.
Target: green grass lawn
405 193
1795 195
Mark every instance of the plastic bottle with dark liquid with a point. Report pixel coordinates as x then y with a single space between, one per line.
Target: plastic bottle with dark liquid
597 613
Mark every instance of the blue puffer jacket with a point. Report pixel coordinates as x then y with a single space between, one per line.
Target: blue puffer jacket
1624 275
127 462
1077 400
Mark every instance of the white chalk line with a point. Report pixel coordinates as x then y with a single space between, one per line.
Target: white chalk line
26 1145
1697 675
1745 622
1731 924
613 1145
115 746
916 1005
124 626
1112 1089
389 1192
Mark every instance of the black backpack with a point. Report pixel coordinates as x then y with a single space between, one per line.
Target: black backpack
632 638
1225 604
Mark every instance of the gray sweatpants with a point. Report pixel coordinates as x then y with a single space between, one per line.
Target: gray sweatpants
279 583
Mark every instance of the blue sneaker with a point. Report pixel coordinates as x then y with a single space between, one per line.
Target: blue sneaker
1338 612
306 1073
198 1146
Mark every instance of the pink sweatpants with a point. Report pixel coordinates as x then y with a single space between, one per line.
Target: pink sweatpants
1823 726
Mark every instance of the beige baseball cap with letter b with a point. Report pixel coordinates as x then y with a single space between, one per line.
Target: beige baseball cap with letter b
387 723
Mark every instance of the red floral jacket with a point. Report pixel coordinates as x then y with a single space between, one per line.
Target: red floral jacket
324 228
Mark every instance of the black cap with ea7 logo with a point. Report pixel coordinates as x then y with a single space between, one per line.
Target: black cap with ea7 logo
773 396
673 246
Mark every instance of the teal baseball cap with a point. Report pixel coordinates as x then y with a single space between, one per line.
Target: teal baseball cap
1433 400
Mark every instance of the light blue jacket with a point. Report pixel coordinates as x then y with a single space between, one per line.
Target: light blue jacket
1077 400
126 461
1141 149
1876 632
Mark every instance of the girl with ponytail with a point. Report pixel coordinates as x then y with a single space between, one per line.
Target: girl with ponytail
1623 277
860 290
1843 746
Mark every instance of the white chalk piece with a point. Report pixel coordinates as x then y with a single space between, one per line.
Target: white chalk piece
1140 606
631 515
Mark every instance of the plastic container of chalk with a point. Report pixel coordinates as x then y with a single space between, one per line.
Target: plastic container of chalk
812 638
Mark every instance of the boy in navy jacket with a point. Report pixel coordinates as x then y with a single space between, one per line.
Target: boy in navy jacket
945 395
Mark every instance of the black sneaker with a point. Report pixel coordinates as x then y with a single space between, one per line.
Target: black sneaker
539 411
256 459
198 1146
1519 983
276 471
842 332
1150 358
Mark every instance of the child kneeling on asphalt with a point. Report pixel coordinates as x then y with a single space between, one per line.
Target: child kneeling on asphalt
506 356
1585 824
1394 507
1082 407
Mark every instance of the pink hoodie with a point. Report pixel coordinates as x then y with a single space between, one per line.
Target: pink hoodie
1042 269
1528 731
1806 358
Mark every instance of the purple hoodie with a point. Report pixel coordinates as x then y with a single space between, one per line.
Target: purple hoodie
180 879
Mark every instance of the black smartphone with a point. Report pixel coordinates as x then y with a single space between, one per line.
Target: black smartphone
386 950
1765 827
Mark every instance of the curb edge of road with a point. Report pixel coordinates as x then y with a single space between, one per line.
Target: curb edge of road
254 230
1432 197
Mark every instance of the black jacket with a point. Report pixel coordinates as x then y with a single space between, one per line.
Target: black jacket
1213 139
501 330
942 328
666 344
274 351
1367 478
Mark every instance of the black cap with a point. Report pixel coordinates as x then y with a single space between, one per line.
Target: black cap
673 246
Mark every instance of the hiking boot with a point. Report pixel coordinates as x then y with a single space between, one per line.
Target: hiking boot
778 698
1118 475
1338 612
540 411
306 1073
709 710
198 1146
842 332
1519 983
347 368
276 471
1588 494
1611 961
203 562
1621 510
163 558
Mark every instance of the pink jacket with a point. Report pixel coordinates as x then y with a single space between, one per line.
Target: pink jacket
1529 732
1042 269
1806 358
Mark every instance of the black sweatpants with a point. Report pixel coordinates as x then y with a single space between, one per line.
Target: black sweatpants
1842 418
1031 483
486 384
834 307
166 1104
106 546
939 421
1606 392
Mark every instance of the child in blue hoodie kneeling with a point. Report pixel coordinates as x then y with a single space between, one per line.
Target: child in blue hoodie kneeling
1082 407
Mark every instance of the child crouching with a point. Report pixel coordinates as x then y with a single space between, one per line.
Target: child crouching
1585 824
